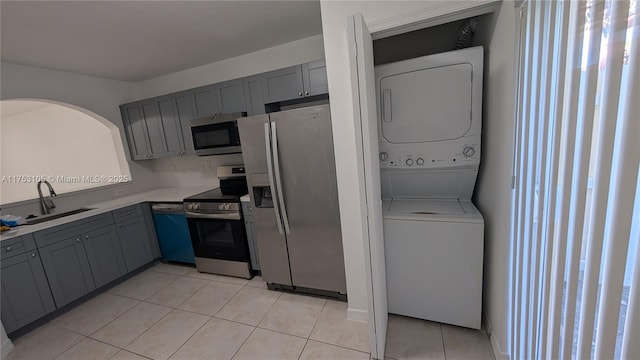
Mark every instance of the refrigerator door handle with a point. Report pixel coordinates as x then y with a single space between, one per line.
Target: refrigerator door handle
276 206
276 170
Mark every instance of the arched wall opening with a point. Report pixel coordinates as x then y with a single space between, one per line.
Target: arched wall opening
69 146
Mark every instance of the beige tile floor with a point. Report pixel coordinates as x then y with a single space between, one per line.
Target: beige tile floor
174 312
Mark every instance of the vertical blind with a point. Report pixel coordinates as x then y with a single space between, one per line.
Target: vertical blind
575 271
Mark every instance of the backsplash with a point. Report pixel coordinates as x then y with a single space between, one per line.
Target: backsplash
187 171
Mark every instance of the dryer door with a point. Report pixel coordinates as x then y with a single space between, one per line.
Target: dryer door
426 105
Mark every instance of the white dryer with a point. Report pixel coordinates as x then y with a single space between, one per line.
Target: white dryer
430 112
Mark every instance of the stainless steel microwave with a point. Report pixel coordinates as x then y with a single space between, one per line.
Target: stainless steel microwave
216 135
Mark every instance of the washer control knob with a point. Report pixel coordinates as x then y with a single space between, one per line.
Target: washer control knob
409 162
468 151
384 156
420 161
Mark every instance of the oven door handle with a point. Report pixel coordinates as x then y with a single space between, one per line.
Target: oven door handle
272 182
276 170
227 216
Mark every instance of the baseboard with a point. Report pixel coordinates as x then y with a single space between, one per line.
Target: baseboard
495 345
5 348
357 315
497 349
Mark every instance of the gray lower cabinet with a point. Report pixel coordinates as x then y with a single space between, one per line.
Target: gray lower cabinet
67 268
105 255
26 296
134 240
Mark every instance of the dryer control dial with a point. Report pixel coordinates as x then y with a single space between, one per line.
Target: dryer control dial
420 161
384 156
468 151
409 162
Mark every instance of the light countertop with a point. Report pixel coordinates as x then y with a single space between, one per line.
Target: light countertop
245 198
176 194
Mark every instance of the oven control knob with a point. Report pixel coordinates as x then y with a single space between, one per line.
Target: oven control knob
384 156
468 151
196 206
420 161
409 162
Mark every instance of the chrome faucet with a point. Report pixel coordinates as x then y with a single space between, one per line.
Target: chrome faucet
47 204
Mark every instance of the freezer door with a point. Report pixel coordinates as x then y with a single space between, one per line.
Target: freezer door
308 178
253 143
271 242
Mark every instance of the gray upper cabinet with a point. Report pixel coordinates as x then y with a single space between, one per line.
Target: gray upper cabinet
253 94
154 126
134 238
231 97
67 269
283 84
314 77
136 130
171 126
184 105
105 255
26 296
206 101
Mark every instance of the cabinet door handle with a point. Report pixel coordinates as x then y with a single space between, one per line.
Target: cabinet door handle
306 93
78 240
86 236
128 212
33 254
300 93
9 248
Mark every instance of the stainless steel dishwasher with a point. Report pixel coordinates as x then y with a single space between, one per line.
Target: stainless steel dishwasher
173 232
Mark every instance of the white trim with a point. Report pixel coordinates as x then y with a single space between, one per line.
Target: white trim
430 16
497 349
358 315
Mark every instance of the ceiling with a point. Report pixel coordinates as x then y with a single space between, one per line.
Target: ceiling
138 40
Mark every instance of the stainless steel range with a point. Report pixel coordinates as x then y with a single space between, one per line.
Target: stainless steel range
216 226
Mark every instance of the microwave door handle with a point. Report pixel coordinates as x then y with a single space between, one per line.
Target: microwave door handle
276 170
276 206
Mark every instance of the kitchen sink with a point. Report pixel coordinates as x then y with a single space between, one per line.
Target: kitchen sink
41 219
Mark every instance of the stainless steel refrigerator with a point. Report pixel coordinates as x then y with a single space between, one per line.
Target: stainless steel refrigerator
290 167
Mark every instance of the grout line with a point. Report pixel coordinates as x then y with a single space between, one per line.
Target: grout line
192 335
444 348
241 345
304 347
342 346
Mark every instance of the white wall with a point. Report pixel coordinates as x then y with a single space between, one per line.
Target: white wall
277 57
493 190
379 15
96 95
55 142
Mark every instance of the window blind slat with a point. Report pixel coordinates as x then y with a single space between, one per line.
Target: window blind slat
572 86
533 163
557 96
516 249
522 197
604 160
582 155
617 234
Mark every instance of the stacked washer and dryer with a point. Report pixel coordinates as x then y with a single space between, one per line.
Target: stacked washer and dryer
429 125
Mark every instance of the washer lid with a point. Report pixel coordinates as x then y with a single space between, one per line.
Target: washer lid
426 207
426 105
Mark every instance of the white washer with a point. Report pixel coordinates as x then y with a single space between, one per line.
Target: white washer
433 255
429 135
